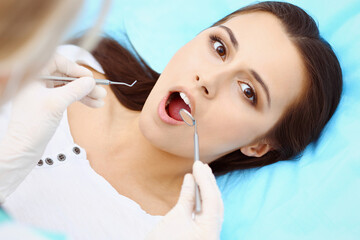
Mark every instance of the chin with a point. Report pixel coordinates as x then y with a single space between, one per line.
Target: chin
146 126
163 139
151 131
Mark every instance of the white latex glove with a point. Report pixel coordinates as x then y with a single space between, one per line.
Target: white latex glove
36 114
179 224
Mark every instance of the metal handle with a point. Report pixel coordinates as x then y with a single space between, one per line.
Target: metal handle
98 81
70 79
196 158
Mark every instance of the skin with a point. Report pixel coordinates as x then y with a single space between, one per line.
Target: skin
3 81
145 158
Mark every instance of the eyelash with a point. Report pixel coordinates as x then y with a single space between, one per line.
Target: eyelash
254 101
213 40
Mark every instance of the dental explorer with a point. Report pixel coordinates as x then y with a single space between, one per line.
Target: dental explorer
190 121
98 81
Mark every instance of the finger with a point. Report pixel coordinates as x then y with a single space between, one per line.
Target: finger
50 84
35 86
211 176
209 191
97 93
220 202
204 171
67 67
187 195
75 90
93 103
54 84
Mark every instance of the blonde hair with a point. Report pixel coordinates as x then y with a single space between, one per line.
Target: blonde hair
29 32
30 29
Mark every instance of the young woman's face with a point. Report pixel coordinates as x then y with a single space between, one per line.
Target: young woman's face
239 77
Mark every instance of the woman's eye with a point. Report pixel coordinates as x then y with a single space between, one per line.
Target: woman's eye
220 49
218 46
248 92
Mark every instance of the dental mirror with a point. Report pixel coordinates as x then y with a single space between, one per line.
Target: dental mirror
187 117
190 121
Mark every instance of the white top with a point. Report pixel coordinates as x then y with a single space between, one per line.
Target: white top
63 193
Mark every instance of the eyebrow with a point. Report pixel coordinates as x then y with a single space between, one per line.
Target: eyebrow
259 79
255 75
231 35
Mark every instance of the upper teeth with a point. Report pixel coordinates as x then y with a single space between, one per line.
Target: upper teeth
185 98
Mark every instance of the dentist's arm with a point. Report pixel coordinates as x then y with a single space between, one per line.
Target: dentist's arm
178 224
36 114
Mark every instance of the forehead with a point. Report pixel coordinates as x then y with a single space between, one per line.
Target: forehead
265 47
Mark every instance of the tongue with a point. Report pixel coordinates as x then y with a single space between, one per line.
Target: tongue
175 106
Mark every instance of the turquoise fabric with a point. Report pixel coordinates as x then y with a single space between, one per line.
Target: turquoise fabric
315 197
3 216
32 233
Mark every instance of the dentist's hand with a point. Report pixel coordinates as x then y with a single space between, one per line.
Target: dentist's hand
83 90
36 114
178 224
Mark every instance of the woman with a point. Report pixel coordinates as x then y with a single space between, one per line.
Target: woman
261 78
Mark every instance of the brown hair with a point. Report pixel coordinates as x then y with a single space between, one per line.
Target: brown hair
301 123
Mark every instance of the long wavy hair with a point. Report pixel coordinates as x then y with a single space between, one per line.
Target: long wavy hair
303 121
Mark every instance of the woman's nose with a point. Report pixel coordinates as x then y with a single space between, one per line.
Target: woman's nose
206 86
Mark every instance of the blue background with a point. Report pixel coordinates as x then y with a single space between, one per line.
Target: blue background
316 197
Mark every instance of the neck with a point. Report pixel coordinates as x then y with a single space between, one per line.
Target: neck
134 160
121 154
151 161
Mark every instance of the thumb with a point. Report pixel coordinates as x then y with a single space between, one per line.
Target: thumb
187 194
76 90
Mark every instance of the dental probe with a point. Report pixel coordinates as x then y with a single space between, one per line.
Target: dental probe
98 81
190 121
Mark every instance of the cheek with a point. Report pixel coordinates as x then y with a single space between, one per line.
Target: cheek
226 128
191 56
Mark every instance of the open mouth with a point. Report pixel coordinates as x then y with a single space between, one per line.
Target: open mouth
175 102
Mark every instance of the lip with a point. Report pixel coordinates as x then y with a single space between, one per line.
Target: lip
162 111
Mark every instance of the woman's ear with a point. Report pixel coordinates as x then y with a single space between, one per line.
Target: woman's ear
258 149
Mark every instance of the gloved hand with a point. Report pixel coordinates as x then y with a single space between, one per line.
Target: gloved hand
179 224
36 114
